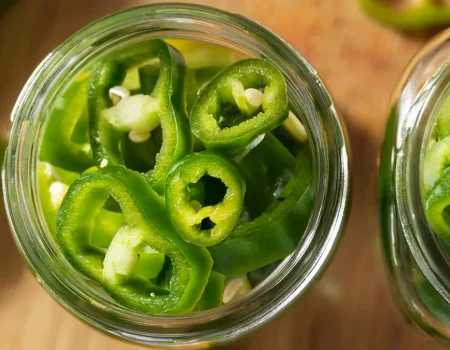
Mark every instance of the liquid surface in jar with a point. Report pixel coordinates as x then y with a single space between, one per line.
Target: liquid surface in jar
175 174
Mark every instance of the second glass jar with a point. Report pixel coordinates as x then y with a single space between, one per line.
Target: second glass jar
416 260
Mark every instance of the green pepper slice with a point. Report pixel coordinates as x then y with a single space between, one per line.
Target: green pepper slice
269 168
416 15
147 225
436 206
222 118
53 184
140 113
196 80
276 233
212 296
65 143
200 55
210 222
203 61
436 160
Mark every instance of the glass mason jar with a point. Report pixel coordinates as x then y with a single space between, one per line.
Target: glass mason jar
417 263
294 275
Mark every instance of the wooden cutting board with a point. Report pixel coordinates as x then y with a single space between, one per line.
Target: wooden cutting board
359 60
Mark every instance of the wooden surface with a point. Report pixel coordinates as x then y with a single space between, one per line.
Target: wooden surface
359 60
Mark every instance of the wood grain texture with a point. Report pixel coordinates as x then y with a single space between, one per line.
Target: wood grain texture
360 62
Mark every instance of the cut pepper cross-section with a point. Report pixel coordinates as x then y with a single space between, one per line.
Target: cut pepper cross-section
241 103
146 235
205 218
113 112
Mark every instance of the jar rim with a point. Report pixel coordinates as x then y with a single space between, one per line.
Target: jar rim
324 229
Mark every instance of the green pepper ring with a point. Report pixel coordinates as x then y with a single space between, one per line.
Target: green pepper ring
142 208
249 73
224 215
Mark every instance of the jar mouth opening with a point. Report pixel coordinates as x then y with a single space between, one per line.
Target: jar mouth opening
415 132
294 275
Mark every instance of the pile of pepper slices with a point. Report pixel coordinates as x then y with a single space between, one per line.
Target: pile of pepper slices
161 182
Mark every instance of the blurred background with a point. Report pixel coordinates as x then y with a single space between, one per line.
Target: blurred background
359 59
